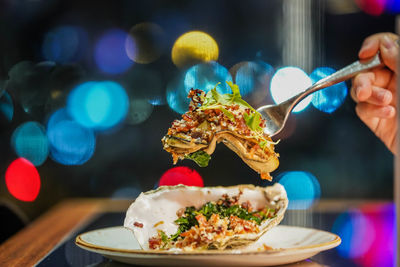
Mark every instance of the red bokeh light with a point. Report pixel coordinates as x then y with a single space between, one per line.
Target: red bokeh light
23 180
372 7
181 175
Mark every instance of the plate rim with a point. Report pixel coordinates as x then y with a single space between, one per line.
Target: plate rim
325 246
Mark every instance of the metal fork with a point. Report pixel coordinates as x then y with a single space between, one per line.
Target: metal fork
277 115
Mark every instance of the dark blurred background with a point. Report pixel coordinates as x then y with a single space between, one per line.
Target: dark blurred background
89 88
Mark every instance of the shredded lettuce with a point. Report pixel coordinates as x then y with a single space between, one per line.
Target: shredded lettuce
200 157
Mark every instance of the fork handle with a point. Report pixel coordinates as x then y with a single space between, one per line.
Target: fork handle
341 75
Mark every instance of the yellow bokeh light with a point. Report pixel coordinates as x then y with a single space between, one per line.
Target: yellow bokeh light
194 47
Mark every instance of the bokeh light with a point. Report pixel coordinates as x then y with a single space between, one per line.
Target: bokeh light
356 232
288 82
372 7
23 180
65 44
330 98
110 54
6 106
70 143
29 141
181 175
393 6
176 94
382 250
368 235
252 76
194 47
98 105
145 42
302 188
139 111
205 76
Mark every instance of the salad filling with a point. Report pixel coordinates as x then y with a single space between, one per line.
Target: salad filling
227 118
201 228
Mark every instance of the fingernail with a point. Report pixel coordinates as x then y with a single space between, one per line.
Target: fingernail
365 45
388 111
382 96
387 42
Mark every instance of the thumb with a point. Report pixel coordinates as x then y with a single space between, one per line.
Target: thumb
389 52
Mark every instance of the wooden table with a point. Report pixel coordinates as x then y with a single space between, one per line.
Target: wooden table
35 241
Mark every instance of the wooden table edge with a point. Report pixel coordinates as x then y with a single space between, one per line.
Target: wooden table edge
34 242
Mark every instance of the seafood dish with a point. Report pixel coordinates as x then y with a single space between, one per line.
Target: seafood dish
213 118
203 218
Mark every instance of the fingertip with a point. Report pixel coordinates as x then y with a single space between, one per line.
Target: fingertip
363 53
368 48
362 93
389 52
388 112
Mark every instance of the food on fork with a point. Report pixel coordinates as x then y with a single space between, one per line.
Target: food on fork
213 118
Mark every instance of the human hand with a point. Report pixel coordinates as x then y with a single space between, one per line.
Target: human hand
375 91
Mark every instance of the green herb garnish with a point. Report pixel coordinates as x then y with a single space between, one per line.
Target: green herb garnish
223 208
189 218
164 236
215 100
200 157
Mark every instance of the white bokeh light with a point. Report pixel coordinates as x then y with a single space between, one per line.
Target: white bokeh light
287 82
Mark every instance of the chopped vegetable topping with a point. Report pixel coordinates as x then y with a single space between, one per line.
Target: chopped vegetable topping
199 227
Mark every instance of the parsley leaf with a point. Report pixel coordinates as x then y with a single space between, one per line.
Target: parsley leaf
253 121
200 157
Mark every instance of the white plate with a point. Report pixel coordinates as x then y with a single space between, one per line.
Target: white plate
290 244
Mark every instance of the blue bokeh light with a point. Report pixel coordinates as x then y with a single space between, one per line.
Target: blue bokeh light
288 82
65 44
29 141
205 76
176 94
302 188
252 74
357 234
98 105
110 54
70 143
392 6
6 106
330 98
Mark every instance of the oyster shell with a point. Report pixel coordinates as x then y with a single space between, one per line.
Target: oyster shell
157 210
